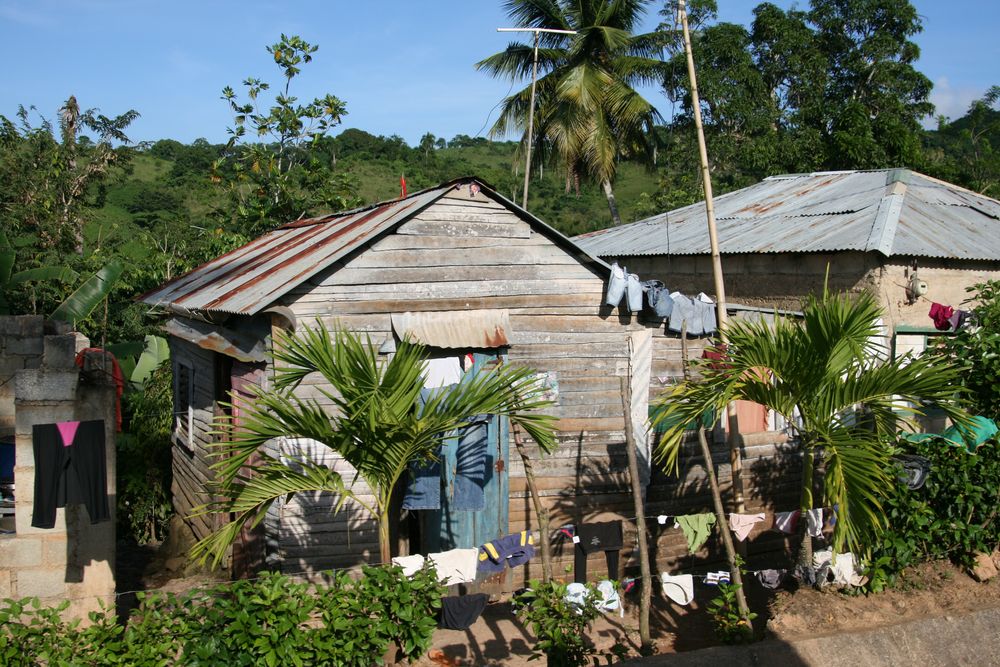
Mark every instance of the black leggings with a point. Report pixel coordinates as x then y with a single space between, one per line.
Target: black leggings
70 475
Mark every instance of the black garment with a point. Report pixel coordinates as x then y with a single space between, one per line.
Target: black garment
71 474
458 612
606 537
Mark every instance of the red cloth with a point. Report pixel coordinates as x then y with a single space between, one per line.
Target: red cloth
717 355
116 373
940 314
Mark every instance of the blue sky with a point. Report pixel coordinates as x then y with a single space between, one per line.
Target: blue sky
402 67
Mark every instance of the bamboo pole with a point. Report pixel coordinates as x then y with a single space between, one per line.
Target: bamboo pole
646 590
732 430
536 500
735 575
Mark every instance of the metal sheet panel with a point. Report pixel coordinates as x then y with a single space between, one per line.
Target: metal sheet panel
832 211
250 278
455 329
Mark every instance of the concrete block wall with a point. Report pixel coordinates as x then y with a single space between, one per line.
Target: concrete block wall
74 560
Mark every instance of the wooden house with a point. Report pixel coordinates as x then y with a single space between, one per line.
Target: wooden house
466 272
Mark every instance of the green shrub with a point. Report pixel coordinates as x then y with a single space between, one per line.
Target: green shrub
954 515
729 625
559 626
268 621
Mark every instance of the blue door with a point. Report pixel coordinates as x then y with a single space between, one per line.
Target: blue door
452 528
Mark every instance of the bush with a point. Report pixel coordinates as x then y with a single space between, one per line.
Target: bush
954 515
559 626
268 621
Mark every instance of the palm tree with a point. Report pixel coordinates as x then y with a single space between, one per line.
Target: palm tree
374 425
587 105
816 373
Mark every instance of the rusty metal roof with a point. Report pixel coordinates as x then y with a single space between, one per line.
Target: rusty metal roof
249 279
892 211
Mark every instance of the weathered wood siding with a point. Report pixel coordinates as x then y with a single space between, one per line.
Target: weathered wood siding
463 253
191 460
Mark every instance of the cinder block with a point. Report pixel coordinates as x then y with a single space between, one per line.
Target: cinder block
22 325
59 351
21 551
55 552
6 589
10 364
22 521
46 385
43 583
25 346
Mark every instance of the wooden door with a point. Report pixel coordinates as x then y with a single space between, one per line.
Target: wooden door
449 528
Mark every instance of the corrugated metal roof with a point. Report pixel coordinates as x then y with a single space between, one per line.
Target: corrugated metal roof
454 328
250 278
893 211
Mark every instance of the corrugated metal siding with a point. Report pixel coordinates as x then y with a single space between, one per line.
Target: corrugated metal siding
249 278
819 213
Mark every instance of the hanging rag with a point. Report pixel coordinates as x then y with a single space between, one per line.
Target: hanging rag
841 570
683 311
609 599
471 453
709 321
814 522
958 319
679 588
742 524
697 528
633 293
771 578
616 286
606 536
510 550
658 298
459 612
70 468
941 314
442 372
786 522
410 564
457 566
716 578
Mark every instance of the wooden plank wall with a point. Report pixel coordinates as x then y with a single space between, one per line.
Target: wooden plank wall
191 463
472 253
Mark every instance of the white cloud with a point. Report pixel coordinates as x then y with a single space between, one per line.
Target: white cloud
952 101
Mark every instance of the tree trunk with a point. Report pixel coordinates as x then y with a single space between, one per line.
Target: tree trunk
735 575
806 504
640 520
540 512
616 219
384 546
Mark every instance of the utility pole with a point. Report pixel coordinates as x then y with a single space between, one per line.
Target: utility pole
732 430
531 113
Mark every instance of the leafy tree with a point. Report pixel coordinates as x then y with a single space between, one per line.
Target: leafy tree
833 87
374 426
48 182
588 111
277 175
427 144
967 151
815 373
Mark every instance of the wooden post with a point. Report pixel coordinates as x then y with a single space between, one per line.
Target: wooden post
735 575
640 516
732 425
540 512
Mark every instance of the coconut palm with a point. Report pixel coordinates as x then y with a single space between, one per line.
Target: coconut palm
816 373
587 105
374 426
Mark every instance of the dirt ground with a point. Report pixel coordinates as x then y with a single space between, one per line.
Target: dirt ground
499 638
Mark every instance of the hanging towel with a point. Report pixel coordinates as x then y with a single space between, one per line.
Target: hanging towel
697 528
459 612
742 524
814 522
941 314
679 588
786 522
457 566
410 564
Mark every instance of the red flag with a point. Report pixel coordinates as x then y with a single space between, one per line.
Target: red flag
402 185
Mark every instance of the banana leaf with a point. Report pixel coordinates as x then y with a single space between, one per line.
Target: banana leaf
89 295
157 351
61 273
